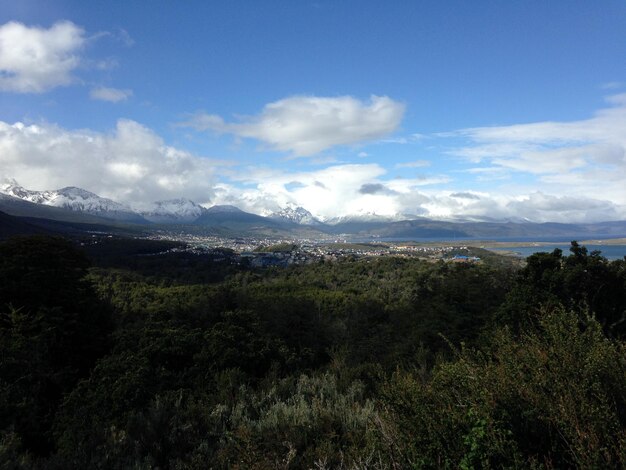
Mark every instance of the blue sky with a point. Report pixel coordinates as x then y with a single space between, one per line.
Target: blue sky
446 109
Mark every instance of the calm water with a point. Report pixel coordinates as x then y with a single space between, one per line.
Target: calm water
608 251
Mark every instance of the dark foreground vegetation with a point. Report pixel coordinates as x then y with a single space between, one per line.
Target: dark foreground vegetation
123 358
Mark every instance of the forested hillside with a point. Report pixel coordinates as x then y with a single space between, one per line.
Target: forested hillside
131 359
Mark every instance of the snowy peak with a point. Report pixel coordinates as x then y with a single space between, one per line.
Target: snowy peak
74 199
219 209
365 217
78 199
73 191
297 215
11 187
174 211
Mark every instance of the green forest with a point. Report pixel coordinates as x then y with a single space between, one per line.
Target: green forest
122 354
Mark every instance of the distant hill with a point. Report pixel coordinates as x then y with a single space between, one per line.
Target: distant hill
11 226
425 228
232 217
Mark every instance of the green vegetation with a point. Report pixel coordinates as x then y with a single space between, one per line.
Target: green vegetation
154 358
279 248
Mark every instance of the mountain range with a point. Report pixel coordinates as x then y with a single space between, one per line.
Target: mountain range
295 214
79 207
73 199
171 211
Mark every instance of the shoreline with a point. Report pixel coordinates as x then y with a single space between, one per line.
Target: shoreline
496 244
501 244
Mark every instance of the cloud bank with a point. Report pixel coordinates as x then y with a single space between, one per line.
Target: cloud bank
306 125
131 165
329 193
548 171
577 159
360 189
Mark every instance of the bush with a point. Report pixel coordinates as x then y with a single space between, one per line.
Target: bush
554 398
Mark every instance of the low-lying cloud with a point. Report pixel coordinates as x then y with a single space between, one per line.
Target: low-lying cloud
131 165
561 171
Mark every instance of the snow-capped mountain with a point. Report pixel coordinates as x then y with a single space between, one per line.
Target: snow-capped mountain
74 199
368 217
227 215
173 211
10 187
78 199
223 208
295 214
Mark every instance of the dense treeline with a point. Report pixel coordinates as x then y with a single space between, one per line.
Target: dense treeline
175 360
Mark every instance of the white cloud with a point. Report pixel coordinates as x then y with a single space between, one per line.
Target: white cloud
113 95
413 164
324 160
544 207
612 85
534 206
132 164
342 190
586 157
491 173
109 63
331 192
35 59
405 185
327 193
368 192
123 36
606 126
306 125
